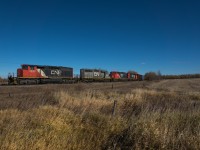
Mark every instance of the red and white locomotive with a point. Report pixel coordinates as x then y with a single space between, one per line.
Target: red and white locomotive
37 74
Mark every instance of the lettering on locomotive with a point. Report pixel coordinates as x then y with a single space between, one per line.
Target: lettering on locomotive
56 72
96 74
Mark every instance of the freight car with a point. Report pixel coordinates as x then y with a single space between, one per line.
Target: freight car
36 74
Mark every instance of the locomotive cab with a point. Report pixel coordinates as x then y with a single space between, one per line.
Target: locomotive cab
27 71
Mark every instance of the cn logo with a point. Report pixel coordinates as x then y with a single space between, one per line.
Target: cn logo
56 72
96 74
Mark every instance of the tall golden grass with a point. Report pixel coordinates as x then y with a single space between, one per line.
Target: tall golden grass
83 119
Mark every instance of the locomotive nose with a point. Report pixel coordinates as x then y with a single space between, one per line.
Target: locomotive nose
19 72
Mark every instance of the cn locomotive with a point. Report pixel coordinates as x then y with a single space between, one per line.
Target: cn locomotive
40 74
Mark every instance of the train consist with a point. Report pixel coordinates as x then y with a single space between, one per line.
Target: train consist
38 74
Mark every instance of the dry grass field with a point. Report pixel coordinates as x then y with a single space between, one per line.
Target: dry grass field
130 115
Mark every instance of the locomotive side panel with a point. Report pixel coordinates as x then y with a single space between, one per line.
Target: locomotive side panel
56 72
86 73
28 72
118 75
133 76
93 74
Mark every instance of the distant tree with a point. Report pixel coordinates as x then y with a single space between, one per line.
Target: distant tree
1 79
132 71
182 76
159 75
150 76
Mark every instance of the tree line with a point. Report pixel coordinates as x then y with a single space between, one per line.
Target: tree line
158 76
2 80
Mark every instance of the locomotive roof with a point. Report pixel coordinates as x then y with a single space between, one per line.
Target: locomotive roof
94 69
43 66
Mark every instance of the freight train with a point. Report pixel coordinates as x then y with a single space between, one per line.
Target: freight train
38 74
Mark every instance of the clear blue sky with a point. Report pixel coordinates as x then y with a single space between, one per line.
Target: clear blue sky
122 35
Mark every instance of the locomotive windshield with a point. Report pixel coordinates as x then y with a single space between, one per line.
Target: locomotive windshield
25 67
